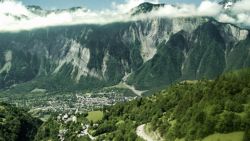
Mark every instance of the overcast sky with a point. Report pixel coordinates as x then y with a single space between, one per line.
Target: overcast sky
91 4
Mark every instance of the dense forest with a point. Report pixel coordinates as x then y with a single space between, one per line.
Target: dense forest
189 110
16 124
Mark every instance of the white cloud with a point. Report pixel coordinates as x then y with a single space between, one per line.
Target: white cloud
12 7
238 14
171 11
242 6
14 16
243 18
206 8
226 18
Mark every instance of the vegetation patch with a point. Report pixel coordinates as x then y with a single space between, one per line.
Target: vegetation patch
95 116
234 136
17 124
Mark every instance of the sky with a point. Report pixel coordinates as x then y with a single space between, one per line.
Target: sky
90 4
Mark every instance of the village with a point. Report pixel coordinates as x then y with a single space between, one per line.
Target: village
42 105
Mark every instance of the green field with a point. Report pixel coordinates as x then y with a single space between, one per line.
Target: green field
234 136
95 116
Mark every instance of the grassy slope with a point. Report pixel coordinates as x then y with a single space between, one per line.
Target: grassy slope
234 136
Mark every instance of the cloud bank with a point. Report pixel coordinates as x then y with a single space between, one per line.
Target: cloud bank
14 16
238 14
206 8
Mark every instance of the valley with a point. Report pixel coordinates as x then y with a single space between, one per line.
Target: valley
148 72
42 105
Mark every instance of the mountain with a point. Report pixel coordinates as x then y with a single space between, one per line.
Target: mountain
37 10
34 8
186 66
205 52
145 7
149 53
228 3
82 53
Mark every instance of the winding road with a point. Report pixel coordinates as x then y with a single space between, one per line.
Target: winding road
132 88
140 131
87 133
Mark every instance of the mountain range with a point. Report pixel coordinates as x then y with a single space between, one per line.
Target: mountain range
183 78
147 54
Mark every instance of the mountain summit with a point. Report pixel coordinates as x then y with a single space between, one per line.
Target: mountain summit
228 3
145 7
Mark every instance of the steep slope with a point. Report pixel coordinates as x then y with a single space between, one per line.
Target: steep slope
208 51
84 53
188 111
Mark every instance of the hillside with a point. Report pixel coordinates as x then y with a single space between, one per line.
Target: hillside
190 111
16 124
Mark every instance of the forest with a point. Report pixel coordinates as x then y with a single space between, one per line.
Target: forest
190 110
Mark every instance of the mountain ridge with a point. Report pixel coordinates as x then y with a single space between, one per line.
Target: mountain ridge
81 54
102 55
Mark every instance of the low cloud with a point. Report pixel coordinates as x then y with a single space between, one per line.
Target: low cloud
238 14
241 6
14 16
206 8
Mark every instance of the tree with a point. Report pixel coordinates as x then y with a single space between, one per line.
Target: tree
246 135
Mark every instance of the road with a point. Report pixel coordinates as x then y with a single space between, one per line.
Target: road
132 88
140 131
87 133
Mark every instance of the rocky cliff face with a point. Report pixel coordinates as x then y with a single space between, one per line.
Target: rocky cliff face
209 50
102 53
156 52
